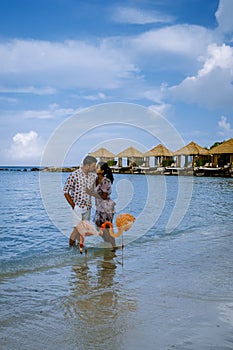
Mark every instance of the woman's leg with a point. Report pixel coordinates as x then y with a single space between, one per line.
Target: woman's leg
106 235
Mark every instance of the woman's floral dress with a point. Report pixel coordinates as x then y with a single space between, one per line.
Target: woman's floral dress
105 208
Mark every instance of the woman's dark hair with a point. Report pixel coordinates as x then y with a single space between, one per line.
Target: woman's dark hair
107 172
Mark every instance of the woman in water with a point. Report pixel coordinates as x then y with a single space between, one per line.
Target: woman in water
105 206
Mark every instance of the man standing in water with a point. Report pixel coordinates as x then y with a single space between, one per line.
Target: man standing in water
76 195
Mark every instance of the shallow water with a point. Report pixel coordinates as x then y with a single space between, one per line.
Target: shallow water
164 291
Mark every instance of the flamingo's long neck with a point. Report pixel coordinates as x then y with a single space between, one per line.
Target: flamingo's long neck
117 234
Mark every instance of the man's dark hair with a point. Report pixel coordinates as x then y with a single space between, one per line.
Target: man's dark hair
88 160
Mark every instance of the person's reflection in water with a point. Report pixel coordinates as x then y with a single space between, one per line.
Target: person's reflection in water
99 309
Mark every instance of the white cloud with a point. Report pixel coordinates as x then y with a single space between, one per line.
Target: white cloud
43 67
8 99
217 57
53 112
162 109
64 65
212 86
29 90
92 97
224 16
25 139
138 16
225 127
123 63
185 40
25 147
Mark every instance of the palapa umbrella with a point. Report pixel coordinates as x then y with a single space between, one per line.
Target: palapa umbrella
192 149
225 148
159 151
102 153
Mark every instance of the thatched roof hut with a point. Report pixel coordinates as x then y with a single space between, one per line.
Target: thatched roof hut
192 149
130 152
225 148
159 151
223 154
103 153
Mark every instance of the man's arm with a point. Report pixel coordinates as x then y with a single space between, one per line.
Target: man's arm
69 200
92 193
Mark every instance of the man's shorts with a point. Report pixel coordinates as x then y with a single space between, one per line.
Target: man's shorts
80 214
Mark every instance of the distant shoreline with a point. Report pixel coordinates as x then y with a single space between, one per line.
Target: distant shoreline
167 171
38 168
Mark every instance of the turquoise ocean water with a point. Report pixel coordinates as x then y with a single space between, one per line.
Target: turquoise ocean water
167 290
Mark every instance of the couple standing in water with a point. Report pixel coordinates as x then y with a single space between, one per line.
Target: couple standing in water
78 189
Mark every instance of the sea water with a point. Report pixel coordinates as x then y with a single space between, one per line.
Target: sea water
165 290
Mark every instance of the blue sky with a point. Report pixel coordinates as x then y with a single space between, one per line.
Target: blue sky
58 57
